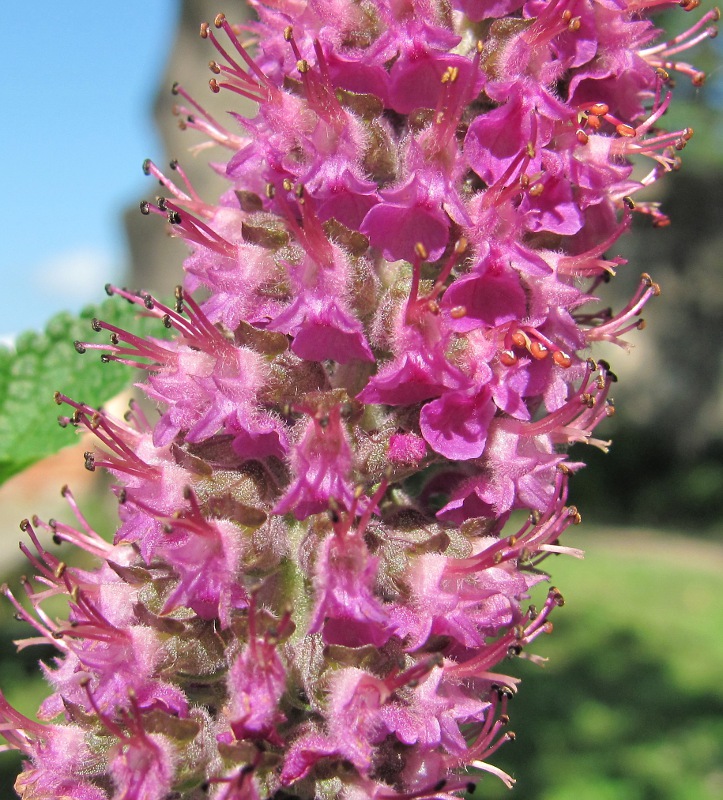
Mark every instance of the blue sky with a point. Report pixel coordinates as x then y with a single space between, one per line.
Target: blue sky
78 81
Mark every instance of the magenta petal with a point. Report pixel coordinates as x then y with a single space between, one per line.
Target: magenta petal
416 79
323 330
489 300
455 425
397 229
257 436
303 754
554 209
408 214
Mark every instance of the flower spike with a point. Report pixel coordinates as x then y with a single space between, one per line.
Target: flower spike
381 351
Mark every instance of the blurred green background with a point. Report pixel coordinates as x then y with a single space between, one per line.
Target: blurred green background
630 704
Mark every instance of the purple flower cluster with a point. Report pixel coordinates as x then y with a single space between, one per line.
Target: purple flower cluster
316 573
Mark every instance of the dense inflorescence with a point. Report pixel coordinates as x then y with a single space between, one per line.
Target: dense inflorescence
319 566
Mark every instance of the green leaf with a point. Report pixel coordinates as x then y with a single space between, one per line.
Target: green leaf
42 363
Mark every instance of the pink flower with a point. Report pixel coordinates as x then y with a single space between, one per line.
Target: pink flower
321 464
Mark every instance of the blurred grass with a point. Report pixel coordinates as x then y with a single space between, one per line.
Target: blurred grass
629 705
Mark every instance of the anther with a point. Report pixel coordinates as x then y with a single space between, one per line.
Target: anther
174 87
79 347
421 251
213 84
219 20
629 203
96 325
625 130
458 312
145 207
302 65
147 166
556 597
89 461
288 33
203 32
214 67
